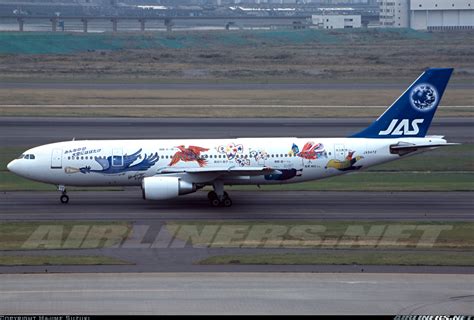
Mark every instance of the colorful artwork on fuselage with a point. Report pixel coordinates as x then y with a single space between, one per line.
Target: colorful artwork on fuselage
231 151
191 153
310 151
259 155
346 164
119 164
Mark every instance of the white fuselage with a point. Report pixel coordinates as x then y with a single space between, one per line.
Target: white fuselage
127 162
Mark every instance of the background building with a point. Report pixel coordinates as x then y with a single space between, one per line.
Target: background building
442 14
332 21
395 13
427 14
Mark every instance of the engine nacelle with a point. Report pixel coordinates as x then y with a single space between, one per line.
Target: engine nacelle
161 188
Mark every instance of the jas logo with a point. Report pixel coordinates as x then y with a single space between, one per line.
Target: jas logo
403 127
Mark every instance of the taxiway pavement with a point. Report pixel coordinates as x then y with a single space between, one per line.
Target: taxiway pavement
236 293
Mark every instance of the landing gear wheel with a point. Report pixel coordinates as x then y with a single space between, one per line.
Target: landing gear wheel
211 195
227 202
64 198
215 202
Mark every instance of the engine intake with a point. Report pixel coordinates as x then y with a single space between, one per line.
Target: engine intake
161 188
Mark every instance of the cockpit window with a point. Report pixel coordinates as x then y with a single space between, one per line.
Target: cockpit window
32 156
21 156
29 156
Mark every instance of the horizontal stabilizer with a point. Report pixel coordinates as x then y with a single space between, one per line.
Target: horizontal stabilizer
403 148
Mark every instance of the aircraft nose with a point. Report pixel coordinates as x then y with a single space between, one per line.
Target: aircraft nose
11 166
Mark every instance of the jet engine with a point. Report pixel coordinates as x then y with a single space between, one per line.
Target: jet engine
161 188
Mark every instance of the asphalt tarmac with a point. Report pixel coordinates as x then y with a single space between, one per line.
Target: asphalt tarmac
237 293
249 205
215 86
30 131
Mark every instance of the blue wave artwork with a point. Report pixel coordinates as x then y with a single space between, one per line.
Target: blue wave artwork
126 165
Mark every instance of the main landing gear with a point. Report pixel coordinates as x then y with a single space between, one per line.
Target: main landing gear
218 197
64 197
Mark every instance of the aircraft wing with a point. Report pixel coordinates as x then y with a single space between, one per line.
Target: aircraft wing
229 171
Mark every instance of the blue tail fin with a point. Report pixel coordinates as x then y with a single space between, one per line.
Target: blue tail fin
411 114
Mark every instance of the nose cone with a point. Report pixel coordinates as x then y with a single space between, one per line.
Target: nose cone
11 166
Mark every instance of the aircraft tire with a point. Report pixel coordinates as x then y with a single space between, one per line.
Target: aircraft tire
227 202
215 202
211 195
64 199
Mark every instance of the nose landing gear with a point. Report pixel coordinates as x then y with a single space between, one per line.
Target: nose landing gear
64 197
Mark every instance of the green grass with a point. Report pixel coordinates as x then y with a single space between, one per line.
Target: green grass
55 234
67 43
11 182
344 234
345 258
58 260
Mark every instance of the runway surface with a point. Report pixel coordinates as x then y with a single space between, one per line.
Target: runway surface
216 86
236 293
29 131
304 205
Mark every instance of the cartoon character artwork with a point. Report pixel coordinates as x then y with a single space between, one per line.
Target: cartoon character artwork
346 164
310 151
125 164
231 151
294 150
259 155
243 162
285 174
191 153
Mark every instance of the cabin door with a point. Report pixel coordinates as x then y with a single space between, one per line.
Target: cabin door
57 159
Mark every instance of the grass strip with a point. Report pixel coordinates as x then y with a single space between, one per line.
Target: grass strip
58 260
345 258
62 234
322 234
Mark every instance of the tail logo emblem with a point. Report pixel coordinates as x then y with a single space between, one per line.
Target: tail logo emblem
402 128
424 97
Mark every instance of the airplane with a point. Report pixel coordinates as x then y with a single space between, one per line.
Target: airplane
169 168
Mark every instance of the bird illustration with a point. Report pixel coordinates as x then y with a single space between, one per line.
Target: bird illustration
192 153
346 164
108 166
311 151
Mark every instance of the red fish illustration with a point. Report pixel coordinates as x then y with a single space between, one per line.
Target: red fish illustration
311 151
192 153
